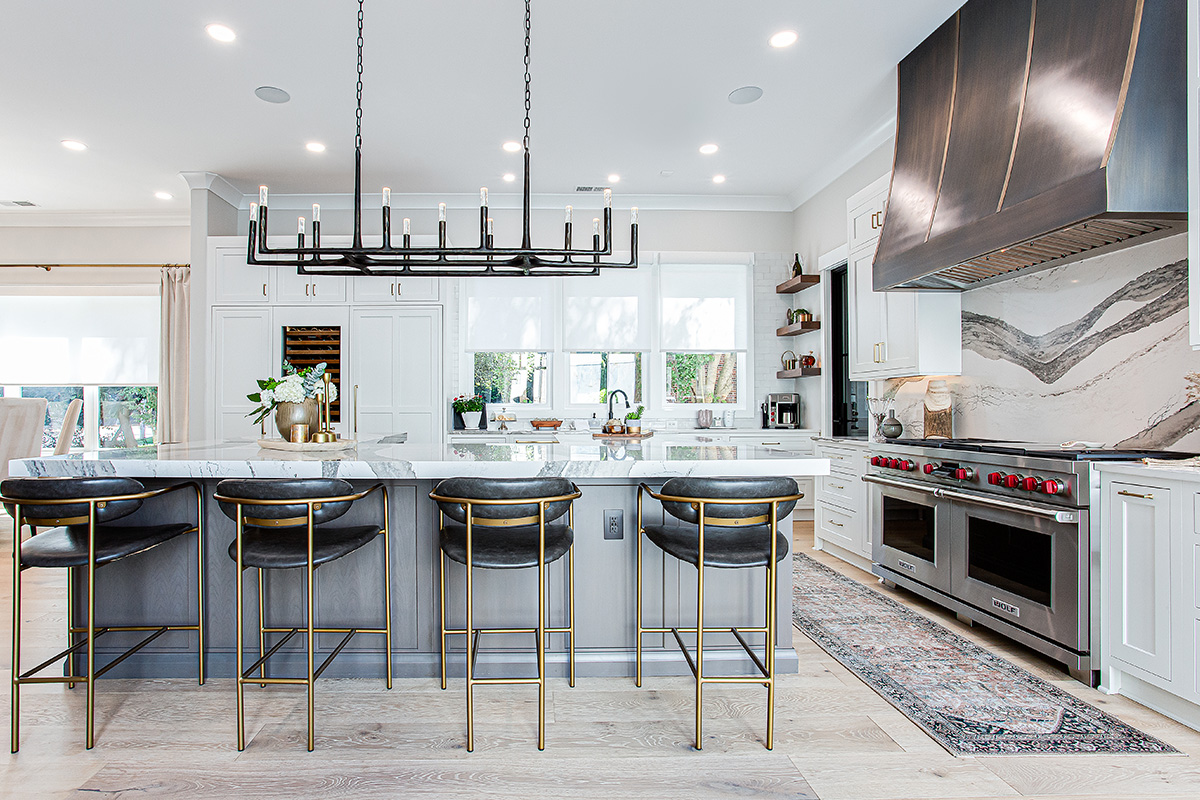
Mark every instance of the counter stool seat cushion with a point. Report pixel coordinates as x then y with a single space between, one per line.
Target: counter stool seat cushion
504 547
68 546
724 547
287 548
28 491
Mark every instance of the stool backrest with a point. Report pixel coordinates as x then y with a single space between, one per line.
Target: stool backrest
750 489
30 490
21 421
283 515
504 489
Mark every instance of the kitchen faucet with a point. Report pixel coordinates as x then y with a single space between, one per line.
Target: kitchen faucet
612 395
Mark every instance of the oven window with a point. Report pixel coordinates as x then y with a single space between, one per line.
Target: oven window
908 527
1010 558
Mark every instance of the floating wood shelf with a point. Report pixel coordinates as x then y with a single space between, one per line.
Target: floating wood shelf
798 328
801 372
793 285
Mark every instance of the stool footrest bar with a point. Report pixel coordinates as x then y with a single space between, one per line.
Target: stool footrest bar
345 640
130 651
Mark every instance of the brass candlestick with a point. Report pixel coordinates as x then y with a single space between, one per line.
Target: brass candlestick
326 433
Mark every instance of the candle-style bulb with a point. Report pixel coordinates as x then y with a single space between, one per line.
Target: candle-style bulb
608 198
633 216
483 196
407 225
387 197
489 226
441 212
300 225
262 195
316 212
569 209
595 226
254 212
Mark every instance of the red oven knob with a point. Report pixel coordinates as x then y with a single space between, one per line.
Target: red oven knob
907 465
875 461
1054 487
1012 481
894 463
995 478
964 473
1030 484
929 468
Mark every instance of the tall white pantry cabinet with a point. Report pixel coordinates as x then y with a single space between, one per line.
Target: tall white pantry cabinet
390 349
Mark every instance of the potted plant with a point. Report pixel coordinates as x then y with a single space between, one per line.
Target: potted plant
803 315
293 398
633 420
471 409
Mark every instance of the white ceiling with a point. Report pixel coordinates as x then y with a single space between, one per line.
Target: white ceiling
626 86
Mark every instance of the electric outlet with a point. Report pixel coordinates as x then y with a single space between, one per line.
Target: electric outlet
614 523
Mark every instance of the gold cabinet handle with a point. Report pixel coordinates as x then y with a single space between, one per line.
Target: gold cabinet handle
1135 494
307 286
836 486
536 441
398 289
264 290
314 290
356 411
840 525
767 443
392 289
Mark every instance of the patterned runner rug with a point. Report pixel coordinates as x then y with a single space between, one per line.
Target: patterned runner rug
970 701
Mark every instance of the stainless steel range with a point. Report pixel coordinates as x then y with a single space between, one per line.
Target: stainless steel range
998 532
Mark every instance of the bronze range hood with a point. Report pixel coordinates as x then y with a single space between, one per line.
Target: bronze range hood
1032 133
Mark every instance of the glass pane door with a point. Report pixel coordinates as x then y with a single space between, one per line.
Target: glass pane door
909 527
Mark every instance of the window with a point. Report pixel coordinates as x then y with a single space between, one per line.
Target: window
512 377
593 375
128 415
710 378
57 400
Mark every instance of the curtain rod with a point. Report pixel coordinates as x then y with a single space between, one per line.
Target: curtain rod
48 267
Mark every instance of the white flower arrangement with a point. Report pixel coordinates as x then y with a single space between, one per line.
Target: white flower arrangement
294 387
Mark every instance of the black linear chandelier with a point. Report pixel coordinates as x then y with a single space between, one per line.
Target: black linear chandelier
485 259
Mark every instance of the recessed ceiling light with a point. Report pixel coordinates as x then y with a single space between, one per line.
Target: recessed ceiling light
315 147
614 178
272 94
718 178
708 149
222 33
163 195
783 39
512 147
71 144
509 177
744 95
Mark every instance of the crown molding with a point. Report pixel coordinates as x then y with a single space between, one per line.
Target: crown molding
215 184
833 170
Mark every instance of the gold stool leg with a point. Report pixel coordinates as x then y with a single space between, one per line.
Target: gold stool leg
571 610
772 621
15 708
200 583
91 637
541 632
470 648
700 637
637 681
309 613
238 604
387 588
262 623
442 602
70 618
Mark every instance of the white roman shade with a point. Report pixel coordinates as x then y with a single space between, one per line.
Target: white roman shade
508 314
610 311
704 308
71 340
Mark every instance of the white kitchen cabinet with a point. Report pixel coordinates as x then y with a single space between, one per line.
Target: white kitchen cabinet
1137 556
232 281
1194 170
897 333
842 514
395 358
793 441
292 287
1150 587
393 290
241 355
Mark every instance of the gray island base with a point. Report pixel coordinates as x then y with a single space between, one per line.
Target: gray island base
159 584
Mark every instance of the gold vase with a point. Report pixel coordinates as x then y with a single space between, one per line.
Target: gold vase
288 414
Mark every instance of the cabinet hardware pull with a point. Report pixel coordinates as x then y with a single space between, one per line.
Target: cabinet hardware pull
834 485
314 290
356 411
1135 494
840 525
306 288
883 356
536 441
398 289
766 443
392 289
264 290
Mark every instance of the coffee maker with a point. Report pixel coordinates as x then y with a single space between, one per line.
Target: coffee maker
782 410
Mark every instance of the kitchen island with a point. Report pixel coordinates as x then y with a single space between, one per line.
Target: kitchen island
158 585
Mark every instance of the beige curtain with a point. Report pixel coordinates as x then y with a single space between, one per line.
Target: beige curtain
173 345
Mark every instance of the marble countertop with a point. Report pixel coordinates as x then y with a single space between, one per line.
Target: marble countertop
415 460
1186 470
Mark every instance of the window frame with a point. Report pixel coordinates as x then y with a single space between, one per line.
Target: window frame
90 418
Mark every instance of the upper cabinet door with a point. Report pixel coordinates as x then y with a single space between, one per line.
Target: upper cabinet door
232 280
393 290
291 287
866 221
868 318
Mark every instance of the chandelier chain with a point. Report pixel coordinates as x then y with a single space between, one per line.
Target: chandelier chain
525 141
359 87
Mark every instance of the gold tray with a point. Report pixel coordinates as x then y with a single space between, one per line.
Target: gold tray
628 437
308 447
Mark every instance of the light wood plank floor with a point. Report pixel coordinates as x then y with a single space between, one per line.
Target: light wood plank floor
835 738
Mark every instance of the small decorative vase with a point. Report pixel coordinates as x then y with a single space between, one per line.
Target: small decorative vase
939 411
891 427
633 426
471 419
289 414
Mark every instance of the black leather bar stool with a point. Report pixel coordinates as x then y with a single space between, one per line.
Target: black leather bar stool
285 524
82 515
727 523
507 523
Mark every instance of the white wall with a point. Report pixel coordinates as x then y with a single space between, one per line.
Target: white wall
151 244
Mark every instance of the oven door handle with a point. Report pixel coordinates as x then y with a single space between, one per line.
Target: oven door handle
1058 515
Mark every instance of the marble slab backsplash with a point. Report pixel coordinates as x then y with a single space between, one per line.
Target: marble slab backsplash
1093 351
